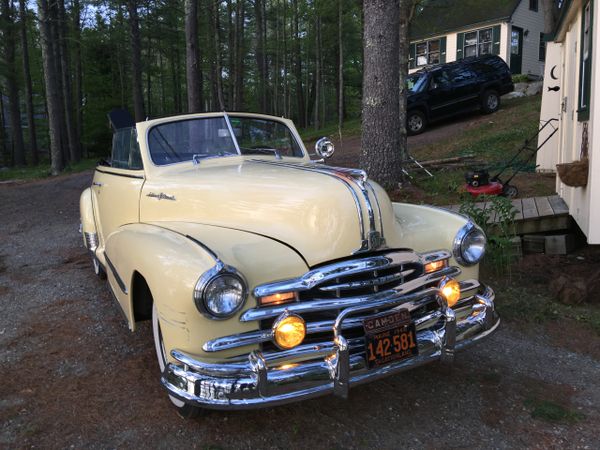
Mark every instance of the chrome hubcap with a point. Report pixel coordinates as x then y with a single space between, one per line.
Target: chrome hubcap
492 102
415 123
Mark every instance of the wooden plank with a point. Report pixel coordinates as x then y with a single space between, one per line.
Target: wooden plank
558 205
518 206
543 206
489 207
529 209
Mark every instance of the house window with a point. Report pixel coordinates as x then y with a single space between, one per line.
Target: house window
428 52
542 48
586 63
478 43
533 5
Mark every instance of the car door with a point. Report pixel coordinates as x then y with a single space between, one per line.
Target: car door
441 94
466 87
117 185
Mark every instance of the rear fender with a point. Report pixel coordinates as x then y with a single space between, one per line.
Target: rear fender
88 222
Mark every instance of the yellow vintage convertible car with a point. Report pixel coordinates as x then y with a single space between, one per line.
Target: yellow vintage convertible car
270 277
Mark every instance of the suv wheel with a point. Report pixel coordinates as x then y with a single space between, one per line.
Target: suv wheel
415 122
490 102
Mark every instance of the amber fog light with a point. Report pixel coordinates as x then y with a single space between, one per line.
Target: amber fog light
289 331
450 290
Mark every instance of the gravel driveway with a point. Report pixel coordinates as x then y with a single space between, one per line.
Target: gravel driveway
73 375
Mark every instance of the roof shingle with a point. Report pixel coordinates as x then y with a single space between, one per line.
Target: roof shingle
445 16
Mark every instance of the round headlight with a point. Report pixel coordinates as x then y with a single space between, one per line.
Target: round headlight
469 245
220 295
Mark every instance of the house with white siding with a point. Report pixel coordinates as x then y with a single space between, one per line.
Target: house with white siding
571 99
449 30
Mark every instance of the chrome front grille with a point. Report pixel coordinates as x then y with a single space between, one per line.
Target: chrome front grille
352 279
365 282
327 290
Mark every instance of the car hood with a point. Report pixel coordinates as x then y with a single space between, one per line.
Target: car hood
318 210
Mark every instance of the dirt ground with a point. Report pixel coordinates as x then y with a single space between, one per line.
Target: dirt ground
72 375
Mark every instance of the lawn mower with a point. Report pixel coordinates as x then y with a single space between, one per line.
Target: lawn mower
480 183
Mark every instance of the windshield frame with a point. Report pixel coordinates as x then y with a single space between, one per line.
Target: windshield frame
226 116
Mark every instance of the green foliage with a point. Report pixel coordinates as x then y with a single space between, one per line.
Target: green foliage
42 170
496 216
520 78
551 411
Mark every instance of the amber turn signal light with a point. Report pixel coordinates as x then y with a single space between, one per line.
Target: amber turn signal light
434 266
450 290
277 299
289 331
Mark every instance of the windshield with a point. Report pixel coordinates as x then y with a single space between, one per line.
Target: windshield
415 83
197 139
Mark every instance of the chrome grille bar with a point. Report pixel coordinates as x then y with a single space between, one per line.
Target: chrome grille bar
340 303
368 283
330 272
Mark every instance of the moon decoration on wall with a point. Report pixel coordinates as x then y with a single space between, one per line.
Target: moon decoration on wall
554 77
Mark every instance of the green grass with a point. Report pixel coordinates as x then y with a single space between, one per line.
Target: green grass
519 303
551 411
42 170
351 128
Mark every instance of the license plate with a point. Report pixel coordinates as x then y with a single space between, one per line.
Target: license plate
389 337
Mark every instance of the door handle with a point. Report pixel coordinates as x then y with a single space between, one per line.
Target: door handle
96 183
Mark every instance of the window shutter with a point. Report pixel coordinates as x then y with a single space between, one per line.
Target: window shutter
443 50
460 42
412 56
496 40
585 71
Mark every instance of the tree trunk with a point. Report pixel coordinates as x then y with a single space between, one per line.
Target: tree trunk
340 68
550 15
78 71
317 88
380 105
260 56
194 89
238 92
8 27
136 60
33 148
406 13
4 154
298 69
74 152
52 88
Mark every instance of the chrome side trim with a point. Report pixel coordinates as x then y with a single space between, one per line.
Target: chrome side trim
118 279
328 304
332 271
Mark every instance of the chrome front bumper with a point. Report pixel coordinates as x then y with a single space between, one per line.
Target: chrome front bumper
258 381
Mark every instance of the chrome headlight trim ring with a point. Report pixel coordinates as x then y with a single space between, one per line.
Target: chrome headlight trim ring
459 239
217 271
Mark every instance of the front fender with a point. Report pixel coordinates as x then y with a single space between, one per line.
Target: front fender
426 228
171 264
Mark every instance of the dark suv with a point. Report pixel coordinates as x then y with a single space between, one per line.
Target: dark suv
445 90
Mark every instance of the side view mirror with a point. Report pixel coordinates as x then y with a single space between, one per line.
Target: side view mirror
324 148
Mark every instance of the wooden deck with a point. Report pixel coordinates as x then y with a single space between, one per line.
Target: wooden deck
534 214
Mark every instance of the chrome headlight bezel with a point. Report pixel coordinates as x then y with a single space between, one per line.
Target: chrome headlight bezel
220 270
467 231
